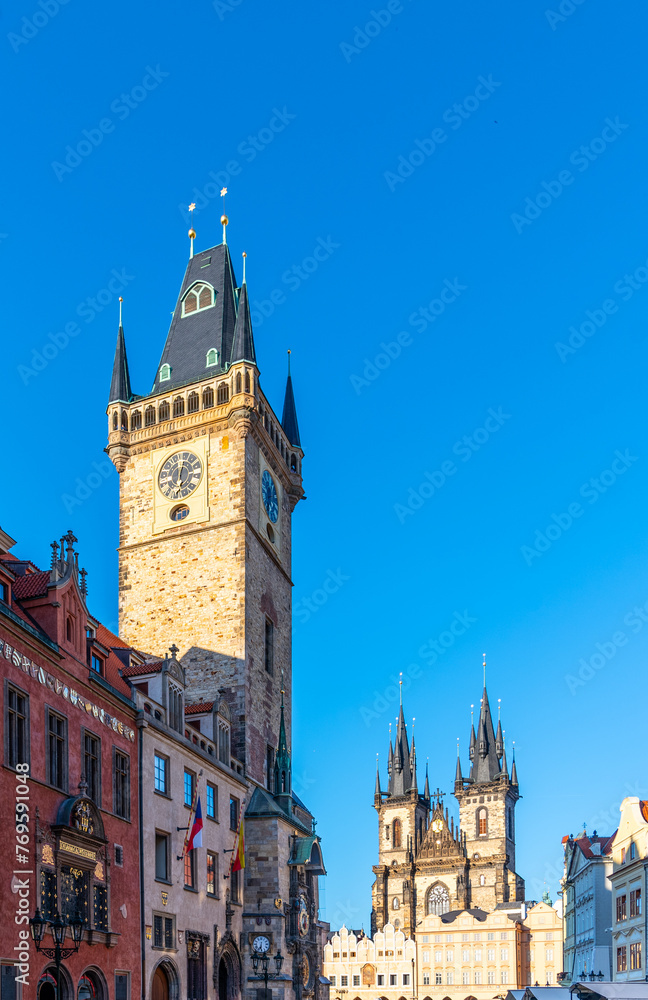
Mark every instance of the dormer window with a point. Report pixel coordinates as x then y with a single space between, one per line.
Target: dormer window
200 296
165 373
97 664
212 358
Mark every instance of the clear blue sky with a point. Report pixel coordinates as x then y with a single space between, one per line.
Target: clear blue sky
448 235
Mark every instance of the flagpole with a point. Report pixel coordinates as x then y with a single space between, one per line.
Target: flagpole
191 816
234 851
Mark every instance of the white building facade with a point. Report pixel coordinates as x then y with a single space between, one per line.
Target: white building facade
587 940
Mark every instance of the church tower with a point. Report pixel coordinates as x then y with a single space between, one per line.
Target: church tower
208 481
402 825
487 800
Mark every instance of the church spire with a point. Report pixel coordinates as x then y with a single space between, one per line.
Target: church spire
426 790
378 792
401 776
243 342
514 777
289 415
120 387
458 775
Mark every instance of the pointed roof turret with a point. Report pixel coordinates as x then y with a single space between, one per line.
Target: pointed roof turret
426 790
282 762
412 761
243 343
487 765
514 777
458 774
120 387
377 792
289 415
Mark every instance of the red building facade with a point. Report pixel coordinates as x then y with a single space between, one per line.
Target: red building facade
68 785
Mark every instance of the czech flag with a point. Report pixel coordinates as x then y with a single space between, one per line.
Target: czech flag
195 840
239 854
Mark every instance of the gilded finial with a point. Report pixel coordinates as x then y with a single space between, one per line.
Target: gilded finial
484 669
244 259
499 709
224 219
400 684
192 231
289 353
120 310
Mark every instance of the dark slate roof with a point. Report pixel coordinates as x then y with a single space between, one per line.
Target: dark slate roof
289 415
451 915
190 338
243 344
120 387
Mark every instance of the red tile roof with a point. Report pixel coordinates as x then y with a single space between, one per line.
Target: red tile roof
138 669
585 844
201 706
31 585
107 638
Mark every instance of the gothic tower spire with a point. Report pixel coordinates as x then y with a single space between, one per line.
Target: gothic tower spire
289 415
120 387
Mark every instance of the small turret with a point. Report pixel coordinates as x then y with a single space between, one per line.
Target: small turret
289 414
377 792
120 387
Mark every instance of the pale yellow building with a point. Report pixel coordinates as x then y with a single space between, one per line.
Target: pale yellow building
628 878
461 954
542 940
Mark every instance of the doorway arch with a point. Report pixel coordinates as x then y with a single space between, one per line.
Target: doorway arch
165 982
227 970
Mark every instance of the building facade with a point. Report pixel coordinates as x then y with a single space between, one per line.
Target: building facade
209 479
192 905
362 967
587 902
628 881
466 953
70 774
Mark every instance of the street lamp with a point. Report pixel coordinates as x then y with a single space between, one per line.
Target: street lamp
58 927
263 959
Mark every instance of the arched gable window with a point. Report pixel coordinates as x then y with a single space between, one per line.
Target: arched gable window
178 407
239 384
136 420
200 296
176 714
165 411
396 833
208 398
247 382
482 822
437 899
165 373
149 416
223 393
212 357
124 420
193 402
115 421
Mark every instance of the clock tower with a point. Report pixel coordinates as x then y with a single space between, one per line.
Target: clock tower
209 478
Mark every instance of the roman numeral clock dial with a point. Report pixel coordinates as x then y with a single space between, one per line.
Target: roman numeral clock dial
180 475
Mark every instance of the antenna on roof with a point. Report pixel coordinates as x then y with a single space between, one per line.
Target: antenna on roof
224 219
192 231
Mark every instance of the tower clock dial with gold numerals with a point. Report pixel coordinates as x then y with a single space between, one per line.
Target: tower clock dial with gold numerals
180 475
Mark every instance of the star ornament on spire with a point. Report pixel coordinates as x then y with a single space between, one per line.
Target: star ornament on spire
223 192
192 206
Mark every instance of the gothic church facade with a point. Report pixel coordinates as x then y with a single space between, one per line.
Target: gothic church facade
426 865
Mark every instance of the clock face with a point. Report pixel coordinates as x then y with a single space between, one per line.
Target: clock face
180 475
261 943
269 495
305 970
303 920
